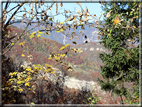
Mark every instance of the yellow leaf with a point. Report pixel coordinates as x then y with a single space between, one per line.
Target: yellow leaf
10 79
67 45
49 58
28 73
20 82
58 31
53 72
67 20
63 47
28 69
21 43
9 83
53 69
134 26
20 89
38 35
12 44
131 40
136 17
31 36
35 72
34 92
33 33
115 21
62 55
27 84
47 70
48 65
61 23
57 58
23 55
40 32
14 73
36 68
61 29
28 78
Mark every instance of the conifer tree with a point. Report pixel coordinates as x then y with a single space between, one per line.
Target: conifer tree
120 29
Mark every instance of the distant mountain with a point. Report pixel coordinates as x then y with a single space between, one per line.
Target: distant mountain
90 32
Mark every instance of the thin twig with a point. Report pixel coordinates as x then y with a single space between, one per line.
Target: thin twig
19 36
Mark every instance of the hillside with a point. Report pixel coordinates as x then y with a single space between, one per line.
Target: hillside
84 64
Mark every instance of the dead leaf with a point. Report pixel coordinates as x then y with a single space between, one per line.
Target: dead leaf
24 8
98 37
74 42
78 3
79 12
86 19
65 11
56 8
108 14
87 10
61 4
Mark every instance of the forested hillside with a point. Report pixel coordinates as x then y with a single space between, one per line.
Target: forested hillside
86 64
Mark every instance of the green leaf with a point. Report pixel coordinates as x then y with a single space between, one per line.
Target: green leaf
109 35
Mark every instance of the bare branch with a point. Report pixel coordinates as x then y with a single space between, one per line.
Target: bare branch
18 38
13 16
